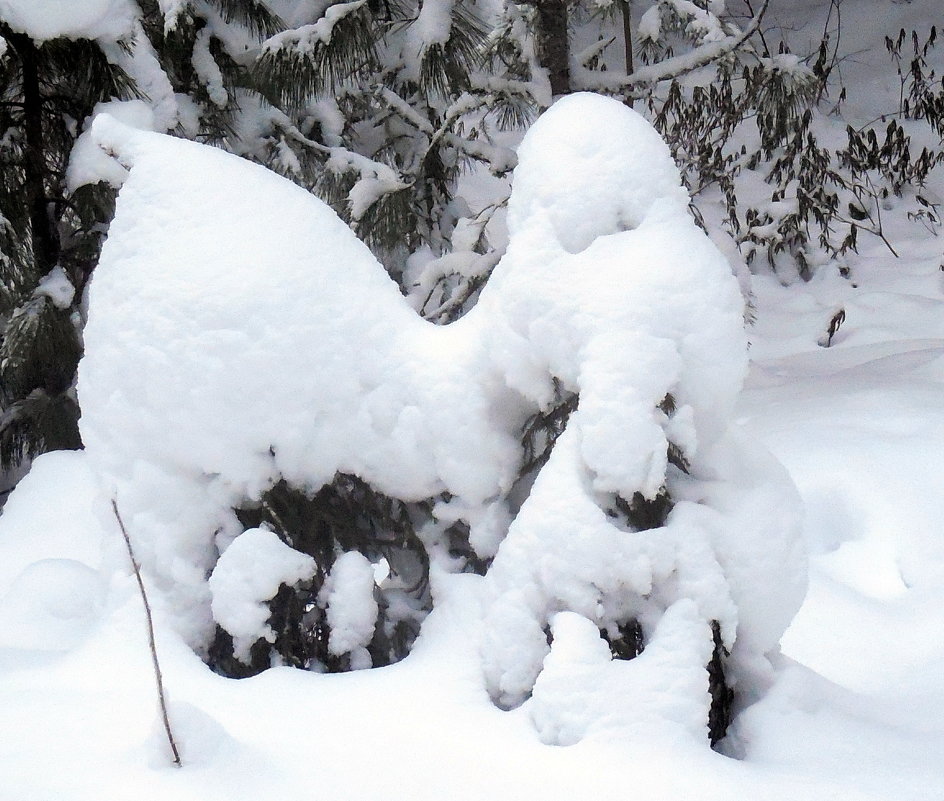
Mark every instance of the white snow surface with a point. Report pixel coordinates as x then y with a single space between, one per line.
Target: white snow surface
270 344
348 597
247 574
853 710
75 19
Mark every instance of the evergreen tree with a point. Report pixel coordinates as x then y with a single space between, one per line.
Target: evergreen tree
710 78
188 62
378 108
204 48
49 238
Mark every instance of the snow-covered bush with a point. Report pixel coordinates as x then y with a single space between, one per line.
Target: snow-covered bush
247 359
240 336
646 504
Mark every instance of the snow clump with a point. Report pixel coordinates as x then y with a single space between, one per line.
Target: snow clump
247 575
610 292
348 597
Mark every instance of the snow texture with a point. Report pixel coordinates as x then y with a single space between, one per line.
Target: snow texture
75 19
582 691
268 344
348 597
56 286
247 575
650 24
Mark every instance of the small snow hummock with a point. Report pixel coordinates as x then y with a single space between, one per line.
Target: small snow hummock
247 575
582 691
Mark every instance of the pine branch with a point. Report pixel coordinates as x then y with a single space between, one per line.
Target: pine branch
296 65
150 628
251 14
702 56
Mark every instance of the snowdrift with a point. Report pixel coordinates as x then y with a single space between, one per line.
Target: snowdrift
239 335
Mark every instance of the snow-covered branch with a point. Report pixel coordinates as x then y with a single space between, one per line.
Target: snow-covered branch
707 53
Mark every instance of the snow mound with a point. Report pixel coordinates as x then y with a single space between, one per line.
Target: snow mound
587 184
51 515
239 334
583 692
611 292
51 605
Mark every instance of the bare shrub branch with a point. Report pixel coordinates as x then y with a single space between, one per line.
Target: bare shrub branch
150 628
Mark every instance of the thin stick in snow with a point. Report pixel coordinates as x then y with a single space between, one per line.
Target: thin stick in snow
150 628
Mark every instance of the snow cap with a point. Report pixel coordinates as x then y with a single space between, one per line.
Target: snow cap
589 184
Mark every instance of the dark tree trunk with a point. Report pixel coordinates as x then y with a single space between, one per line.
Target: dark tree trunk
722 696
626 14
554 43
44 241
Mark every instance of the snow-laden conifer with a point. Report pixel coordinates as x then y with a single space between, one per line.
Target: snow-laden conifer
569 437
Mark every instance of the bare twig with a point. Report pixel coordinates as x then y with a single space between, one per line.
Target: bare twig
150 627
835 322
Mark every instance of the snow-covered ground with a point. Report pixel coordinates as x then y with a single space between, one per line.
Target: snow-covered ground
856 710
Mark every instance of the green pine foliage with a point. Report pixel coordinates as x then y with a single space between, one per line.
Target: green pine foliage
379 113
204 51
47 91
